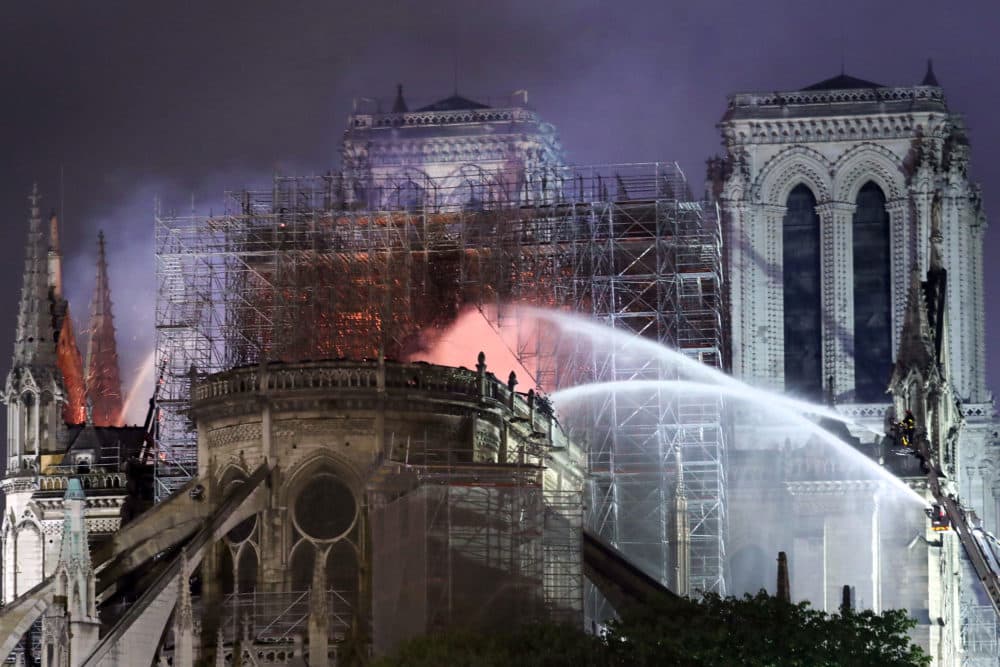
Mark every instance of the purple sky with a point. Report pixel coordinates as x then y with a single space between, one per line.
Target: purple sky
183 99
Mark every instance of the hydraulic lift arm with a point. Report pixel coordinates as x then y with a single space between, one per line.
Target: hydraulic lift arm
961 522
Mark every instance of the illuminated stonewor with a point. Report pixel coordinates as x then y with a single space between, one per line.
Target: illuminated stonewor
449 501
104 385
833 197
48 440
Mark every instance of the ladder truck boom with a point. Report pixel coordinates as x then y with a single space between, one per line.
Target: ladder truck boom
973 539
149 426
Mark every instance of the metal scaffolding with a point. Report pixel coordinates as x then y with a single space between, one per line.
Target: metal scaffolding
463 547
301 272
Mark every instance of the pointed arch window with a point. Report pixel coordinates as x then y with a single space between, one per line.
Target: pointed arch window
801 280
872 296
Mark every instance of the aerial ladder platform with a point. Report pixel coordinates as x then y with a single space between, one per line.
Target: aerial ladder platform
979 545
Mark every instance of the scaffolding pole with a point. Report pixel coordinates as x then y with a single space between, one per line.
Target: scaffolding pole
300 272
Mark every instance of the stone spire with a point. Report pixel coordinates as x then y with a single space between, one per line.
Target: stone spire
929 78
68 356
34 392
784 591
74 552
104 386
76 604
399 105
34 342
916 348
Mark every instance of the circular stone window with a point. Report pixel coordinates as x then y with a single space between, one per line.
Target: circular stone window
325 508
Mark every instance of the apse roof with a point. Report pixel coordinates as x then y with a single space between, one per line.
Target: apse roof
843 82
454 103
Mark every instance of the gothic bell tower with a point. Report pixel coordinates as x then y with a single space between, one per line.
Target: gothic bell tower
837 200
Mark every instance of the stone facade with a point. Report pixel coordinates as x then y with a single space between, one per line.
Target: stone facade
838 139
415 467
454 153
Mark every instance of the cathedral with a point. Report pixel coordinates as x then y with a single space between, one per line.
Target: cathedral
850 242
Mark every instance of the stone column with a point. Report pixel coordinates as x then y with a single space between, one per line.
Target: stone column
54 638
737 248
837 271
211 598
769 325
36 426
11 429
184 640
319 621
919 232
899 239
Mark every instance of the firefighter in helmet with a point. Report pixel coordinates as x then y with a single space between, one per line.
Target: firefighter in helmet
907 429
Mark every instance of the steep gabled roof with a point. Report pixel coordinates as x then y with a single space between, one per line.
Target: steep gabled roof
843 82
454 103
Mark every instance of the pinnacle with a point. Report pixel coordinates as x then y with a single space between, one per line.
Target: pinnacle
929 78
34 341
104 388
915 348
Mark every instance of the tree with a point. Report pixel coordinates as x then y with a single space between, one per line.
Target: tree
757 631
531 645
760 630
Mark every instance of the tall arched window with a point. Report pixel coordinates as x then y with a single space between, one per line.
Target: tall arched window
872 296
801 279
246 577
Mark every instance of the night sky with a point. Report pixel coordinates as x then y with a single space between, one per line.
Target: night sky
132 100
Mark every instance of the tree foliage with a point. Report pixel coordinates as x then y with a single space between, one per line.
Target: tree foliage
533 645
757 630
761 630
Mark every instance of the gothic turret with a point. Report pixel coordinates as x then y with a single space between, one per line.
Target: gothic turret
680 538
399 105
71 622
930 79
104 386
919 381
916 347
33 393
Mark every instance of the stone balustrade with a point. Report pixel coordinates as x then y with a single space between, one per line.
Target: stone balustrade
391 377
418 118
848 96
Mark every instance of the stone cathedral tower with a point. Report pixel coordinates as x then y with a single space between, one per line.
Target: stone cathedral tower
828 195
833 197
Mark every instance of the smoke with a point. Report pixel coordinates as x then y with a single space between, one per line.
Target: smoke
128 226
472 332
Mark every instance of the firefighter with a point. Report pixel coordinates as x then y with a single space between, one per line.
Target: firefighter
908 428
